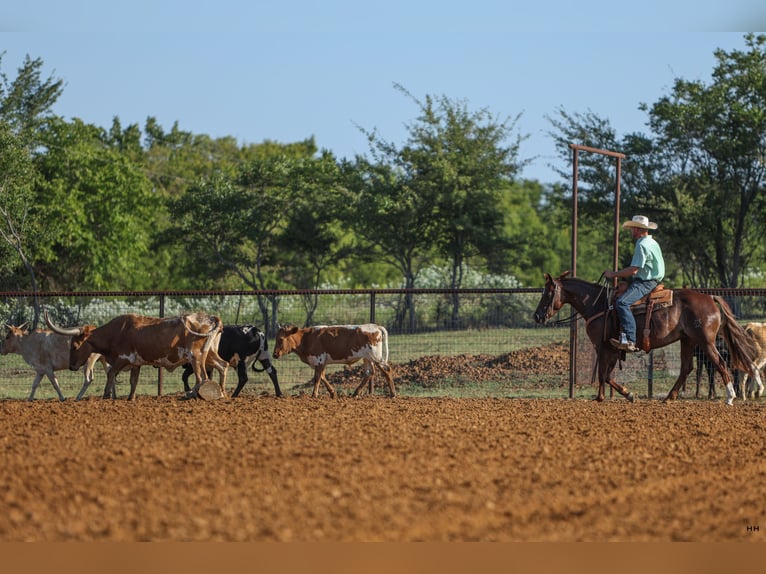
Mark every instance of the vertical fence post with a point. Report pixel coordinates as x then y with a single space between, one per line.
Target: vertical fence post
159 371
372 306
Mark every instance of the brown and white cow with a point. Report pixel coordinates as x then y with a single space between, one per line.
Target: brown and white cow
338 345
758 332
130 341
46 352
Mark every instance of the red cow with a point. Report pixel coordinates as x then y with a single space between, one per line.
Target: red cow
130 341
338 345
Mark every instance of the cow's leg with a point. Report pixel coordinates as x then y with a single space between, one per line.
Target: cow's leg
54 381
188 370
134 372
371 383
369 373
111 375
758 390
272 371
752 386
317 378
85 385
35 384
198 370
221 368
241 378
330 388
388 373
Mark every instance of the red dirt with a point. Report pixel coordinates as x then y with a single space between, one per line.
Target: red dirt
433 370
376 469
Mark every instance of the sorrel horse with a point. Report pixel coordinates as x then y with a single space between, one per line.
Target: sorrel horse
693 319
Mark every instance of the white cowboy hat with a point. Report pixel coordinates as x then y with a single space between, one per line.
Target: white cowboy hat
640 221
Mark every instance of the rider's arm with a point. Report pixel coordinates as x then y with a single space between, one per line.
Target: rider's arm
621 273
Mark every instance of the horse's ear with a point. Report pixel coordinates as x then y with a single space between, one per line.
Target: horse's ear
564 274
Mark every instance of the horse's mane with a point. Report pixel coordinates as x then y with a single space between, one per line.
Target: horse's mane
581 281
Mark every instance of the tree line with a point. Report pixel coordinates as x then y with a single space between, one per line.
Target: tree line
84 207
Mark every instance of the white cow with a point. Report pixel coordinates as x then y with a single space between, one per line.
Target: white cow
46 352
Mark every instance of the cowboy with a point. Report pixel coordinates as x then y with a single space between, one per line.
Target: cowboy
647 269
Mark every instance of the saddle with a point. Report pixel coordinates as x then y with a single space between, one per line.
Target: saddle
657 298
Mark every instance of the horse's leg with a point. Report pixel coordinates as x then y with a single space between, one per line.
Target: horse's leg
720 366
607 362
700 364
710 382
603 373
687 366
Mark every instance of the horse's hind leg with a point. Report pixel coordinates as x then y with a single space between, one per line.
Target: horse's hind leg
687 366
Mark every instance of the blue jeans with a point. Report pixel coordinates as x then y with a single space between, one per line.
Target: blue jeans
633 293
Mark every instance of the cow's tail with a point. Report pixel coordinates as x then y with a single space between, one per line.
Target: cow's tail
384 335
213 336
742 348
217 327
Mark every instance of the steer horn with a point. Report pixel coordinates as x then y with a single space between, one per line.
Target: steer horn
71 331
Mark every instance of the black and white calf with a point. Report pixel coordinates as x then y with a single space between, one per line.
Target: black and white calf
249 344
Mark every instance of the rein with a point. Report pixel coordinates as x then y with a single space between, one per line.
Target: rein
568 321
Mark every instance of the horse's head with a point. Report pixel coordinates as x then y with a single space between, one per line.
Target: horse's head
550 302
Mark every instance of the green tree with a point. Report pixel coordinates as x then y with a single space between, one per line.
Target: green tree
712 140
18 227
27 100
234 222
98 209
441 193
701 174
313 239
463 160
394 217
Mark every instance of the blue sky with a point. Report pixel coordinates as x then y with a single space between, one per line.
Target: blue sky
292 69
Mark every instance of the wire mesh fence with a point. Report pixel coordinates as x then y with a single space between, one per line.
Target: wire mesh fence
421 323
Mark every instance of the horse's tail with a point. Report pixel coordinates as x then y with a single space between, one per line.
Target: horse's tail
742 348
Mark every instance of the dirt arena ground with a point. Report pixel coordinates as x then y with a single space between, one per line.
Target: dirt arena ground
374 469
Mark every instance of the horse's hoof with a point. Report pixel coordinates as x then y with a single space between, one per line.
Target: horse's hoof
631 397
730 402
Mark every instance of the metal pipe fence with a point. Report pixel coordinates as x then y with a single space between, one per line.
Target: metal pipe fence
421 323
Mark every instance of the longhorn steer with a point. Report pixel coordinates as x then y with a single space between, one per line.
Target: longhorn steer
249 344
46 352
758 332
338 345
130 341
